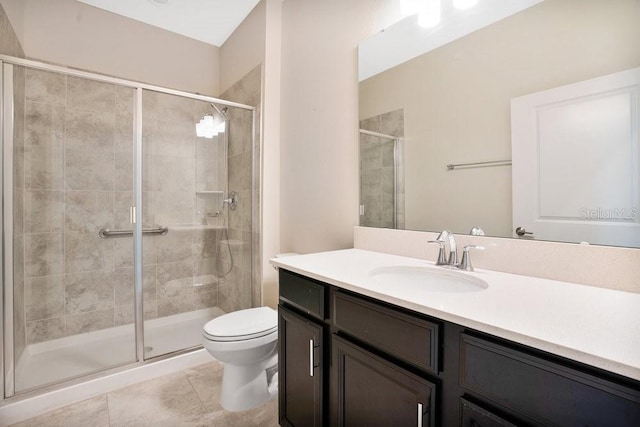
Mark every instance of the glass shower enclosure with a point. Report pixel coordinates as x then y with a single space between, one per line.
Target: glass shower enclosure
123 231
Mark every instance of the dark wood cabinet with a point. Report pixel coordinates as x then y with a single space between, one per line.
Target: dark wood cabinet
368 390
376 364
475 416
301 370
542 390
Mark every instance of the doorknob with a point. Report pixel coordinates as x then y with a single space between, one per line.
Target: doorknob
520 231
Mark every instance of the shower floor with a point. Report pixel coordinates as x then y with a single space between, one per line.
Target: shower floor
69 357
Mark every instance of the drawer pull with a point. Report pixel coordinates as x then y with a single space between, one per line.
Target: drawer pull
419 414
311 357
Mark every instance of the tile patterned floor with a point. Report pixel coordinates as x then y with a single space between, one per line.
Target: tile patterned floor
186 398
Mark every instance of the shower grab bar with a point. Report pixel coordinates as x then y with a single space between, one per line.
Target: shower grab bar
105 233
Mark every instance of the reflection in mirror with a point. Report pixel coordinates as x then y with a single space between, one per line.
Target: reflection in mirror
462 103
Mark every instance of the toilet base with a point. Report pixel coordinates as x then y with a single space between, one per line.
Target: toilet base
245 387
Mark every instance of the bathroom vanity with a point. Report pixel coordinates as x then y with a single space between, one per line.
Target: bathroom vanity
356 349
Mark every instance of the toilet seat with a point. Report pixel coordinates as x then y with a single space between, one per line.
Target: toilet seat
242 325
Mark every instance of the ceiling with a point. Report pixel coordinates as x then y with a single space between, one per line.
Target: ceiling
406 40
210 21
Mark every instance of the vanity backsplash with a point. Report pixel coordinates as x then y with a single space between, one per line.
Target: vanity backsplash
600 266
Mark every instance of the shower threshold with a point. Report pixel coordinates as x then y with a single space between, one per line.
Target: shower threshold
74 356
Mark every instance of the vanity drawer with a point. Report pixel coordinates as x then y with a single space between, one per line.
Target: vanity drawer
409 338
542 390
303 293
475 416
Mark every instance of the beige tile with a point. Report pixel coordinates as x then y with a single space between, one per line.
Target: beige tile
205 298
44 124
88 292
44 167
87 169
45 86
123 170
44 297
45 330
125 100
84 94
43 211
88 211
265 415
181 302
207 382
174 246
175 174
124 284
91 412
43 254
153 401
175 207
89 322
174 278
123 251
124 314
87 252
174 139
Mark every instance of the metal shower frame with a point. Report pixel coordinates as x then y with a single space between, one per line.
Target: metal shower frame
7 63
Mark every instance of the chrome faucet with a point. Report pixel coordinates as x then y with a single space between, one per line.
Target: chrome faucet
442 239
452 261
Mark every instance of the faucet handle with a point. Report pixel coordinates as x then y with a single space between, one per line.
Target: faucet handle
442 257
465 264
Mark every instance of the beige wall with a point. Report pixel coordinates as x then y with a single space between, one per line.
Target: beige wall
457 102
244 49
270 189
319 117
74 34
14 11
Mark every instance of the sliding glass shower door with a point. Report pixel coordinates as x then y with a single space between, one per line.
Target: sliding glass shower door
72 177
125 226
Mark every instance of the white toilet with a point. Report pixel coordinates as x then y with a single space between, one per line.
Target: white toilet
246 341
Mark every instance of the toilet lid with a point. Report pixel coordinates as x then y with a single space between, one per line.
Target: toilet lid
242 324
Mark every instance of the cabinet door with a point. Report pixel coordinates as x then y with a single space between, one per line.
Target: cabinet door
300 370
370 391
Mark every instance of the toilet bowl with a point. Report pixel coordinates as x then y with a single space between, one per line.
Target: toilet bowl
246 342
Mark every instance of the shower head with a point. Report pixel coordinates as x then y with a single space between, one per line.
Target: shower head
222 111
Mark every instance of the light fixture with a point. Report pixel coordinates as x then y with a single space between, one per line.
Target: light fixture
430 13
210 126
464 4
410 7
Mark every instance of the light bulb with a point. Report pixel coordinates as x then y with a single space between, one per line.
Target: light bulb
464 4
430 13
199 129
410 7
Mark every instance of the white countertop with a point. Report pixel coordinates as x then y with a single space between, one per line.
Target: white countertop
599 327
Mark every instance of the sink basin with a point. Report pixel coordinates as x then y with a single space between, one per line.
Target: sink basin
428 279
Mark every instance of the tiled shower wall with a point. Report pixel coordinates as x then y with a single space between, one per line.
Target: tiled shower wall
10 45
378 169
78 178
78 139
241 289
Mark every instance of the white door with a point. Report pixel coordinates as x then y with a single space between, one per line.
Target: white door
576 160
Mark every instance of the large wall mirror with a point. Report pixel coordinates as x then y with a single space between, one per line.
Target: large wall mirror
523 122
